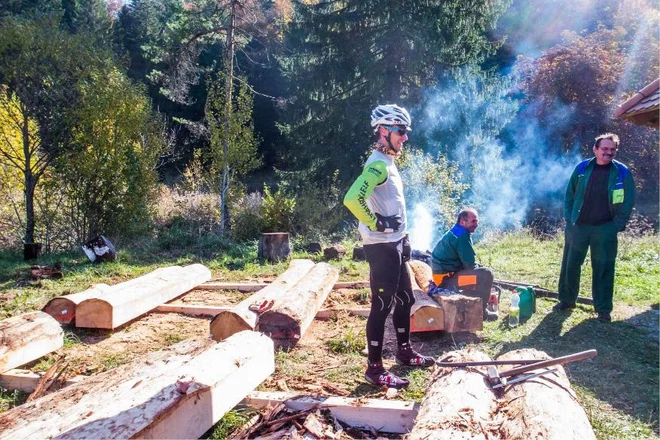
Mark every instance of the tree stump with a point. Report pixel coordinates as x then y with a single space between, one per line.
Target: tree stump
314 248
462 313
274 246
31 251
335 252
358 254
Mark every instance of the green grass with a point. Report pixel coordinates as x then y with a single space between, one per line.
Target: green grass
618 388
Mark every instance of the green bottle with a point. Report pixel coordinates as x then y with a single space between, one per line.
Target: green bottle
527 302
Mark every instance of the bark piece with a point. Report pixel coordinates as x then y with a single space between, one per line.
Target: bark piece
46 272
179 392
423 274
240 317
426 315
125 302
293 312
462 313
27 337
274 246
63 308
542 407
458 403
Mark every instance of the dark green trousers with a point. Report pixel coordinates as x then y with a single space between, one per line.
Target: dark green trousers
602 240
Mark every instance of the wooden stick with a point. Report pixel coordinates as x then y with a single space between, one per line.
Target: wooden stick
539 291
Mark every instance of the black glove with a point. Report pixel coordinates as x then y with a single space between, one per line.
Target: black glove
406 249
387 224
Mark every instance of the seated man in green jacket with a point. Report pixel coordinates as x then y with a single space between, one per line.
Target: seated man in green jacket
453 260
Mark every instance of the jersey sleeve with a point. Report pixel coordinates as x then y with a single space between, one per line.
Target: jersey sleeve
355 200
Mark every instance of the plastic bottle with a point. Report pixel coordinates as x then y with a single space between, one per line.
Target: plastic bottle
514 310
493 303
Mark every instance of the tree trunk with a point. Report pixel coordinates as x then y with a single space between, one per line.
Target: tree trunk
123 303
63 308
426 315
27 337
240 317
179 392
274 246
543 407
458 403
30 182
292 313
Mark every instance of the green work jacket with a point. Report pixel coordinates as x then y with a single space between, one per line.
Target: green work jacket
620 189
453 252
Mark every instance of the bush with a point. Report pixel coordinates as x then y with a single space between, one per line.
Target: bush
247 219
278 211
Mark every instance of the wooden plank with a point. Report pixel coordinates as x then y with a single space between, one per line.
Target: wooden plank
179 392
202 310
124 303
27 337
391 416
255 287
26 380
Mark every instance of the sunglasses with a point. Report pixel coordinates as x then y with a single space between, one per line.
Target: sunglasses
398 130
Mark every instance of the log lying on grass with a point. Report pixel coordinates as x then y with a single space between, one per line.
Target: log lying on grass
458 402
179 392
240 317
543 407
27 337
426 315
63 308
294 311
126 301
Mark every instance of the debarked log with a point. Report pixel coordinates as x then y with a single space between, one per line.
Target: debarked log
293 312
422 273
425 315
27 337
124 302
63 308
458 402
240 317
542 407
179 392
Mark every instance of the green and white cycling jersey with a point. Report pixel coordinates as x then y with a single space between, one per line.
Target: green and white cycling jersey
378 189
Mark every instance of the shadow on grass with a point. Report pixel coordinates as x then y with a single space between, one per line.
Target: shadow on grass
625 372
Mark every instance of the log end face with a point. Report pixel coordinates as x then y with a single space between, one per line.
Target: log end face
61 309
226 324
94 313
282 329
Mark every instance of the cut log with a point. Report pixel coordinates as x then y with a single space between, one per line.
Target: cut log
458 403
240 317
293 312
543 407
426 315
274 246
334 252
202 310
27 337
179 392
128 301
391 416
423 274
462 313
63 308
27 381
255 287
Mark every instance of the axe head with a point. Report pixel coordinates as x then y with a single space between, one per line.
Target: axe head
494 376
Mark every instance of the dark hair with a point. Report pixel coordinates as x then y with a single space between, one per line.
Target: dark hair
611 136
463 215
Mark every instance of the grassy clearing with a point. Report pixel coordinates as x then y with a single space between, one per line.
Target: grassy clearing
618 389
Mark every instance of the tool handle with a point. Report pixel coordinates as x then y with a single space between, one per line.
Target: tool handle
482 363
556 361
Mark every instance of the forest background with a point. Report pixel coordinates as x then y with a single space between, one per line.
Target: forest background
199 120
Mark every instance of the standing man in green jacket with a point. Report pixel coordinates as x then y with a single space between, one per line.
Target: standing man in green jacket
599 200
376 200
453 260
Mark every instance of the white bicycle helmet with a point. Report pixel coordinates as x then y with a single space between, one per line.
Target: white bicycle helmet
390 114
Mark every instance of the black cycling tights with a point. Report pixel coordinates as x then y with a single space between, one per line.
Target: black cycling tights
390 283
